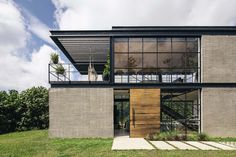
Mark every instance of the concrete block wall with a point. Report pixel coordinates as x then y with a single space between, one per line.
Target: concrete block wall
219 111
218 65
218 59
81 112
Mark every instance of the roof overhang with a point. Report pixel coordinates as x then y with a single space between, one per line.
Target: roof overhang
83 50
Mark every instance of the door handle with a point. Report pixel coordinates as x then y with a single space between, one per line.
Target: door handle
133 114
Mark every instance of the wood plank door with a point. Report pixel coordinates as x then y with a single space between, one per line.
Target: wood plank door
144 112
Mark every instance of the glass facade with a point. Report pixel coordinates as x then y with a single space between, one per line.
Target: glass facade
156 60
180 109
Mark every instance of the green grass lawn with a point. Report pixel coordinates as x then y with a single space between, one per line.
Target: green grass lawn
37 143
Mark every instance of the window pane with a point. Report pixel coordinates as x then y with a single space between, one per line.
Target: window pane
178 60
191 75
121 60
164 75
149 45
192 45
121 45
191 60
178 45
164 60
164 45
135 60
135 75
150 76
135 44
150 60
121 76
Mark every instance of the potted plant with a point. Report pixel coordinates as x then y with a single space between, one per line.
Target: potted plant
106 71
60 70
54 58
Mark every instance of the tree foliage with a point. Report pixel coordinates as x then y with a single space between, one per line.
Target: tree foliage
23 111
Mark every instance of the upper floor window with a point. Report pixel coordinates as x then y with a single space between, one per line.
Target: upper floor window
156 60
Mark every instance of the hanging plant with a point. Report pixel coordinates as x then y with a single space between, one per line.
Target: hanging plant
54 58
60 69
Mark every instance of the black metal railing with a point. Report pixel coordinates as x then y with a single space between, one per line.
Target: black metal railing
70 75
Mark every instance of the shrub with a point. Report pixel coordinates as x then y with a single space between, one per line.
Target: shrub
176 136
54 58
203 137
106 71
60 69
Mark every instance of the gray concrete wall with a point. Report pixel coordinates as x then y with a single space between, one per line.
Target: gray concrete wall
81 112
218 58
219 111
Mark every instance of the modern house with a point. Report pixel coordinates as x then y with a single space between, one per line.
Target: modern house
144 80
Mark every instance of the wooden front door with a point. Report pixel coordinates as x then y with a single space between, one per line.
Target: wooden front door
144 112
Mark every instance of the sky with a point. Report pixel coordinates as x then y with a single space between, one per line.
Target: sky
25 45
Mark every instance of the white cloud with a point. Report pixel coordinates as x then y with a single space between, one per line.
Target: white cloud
12 28
102 14
16 71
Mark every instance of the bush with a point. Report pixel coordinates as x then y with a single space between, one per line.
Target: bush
203 137
175 136
23 111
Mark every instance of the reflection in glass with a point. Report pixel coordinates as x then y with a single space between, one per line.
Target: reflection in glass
192 45
135 60
164 44
149 45
150 60
191 60
121 60
178 45
164 60
178 60
121 45
135 44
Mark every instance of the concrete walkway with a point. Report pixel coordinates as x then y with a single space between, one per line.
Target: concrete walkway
126 143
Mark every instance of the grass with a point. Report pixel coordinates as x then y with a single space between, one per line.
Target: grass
37 144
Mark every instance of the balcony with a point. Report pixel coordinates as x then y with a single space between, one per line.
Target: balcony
66 73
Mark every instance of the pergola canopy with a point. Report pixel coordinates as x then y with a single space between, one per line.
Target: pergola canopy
83 50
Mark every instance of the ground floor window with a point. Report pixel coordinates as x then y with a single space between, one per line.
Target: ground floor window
180 110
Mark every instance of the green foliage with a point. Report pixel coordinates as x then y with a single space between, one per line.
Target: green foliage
106 71
60 69
54 58
176 136
203 137
23 111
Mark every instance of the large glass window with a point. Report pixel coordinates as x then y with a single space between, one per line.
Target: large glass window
182 102
157 60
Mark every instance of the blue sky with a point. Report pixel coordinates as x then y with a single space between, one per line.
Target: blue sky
25 44
42 9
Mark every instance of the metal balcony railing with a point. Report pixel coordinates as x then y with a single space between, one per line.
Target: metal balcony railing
70 75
